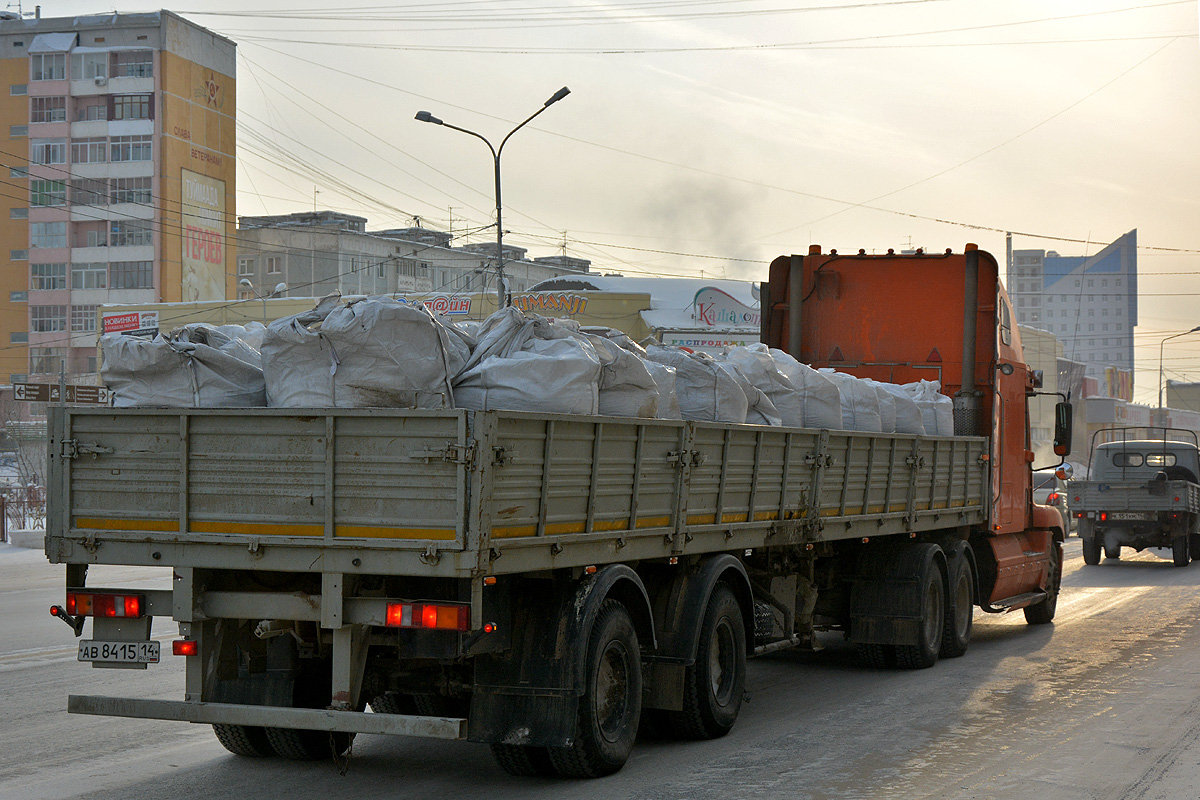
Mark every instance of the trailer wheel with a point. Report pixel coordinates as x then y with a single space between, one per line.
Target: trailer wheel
932 623
715 684
1091 551
611 704
311 689
878 656
960 604
1043 613
1179 551
393 703
524 761
244 740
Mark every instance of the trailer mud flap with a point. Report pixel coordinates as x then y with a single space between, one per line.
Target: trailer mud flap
886 601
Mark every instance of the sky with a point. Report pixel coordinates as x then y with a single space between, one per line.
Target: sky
706 137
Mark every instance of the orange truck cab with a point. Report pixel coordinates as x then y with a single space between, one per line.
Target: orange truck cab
901 318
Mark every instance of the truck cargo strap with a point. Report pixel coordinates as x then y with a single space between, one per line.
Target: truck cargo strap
316 719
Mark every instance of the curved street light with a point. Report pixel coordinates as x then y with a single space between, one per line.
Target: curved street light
425 116
1160 364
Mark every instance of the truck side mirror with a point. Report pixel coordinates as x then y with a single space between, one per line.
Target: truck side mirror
1062 428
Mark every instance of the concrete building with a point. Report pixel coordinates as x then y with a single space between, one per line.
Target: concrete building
315 253
1088 302
120 157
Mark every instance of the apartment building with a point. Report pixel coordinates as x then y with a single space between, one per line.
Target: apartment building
120 158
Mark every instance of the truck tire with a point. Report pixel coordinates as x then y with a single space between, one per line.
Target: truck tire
524 761
1043 613
244 740
715 684
311 689
611 705
960 604
393 703
932 623
1179 551
1091 551
878 656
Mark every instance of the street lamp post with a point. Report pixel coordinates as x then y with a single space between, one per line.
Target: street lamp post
278 291
1160 364
425 116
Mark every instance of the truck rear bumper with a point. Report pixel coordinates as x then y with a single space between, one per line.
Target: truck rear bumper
316 719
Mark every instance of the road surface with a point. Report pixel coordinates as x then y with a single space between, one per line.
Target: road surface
1104 704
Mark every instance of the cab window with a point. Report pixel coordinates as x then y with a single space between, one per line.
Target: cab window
1160 460
1127 459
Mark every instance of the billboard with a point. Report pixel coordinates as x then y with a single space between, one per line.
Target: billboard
203 256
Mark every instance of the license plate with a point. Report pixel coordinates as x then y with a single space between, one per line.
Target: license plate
119 652
1131 515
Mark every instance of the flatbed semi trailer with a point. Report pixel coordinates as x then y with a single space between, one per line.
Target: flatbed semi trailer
543 582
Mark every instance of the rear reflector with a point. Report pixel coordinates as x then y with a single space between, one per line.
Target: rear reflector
429 616
184 647
99 604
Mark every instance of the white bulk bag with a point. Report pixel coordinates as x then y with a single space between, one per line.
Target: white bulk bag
860 403
664 379
937 410
626 387
759 367
705 391
298 362
181 374
759 408
908 414
820 397
887 407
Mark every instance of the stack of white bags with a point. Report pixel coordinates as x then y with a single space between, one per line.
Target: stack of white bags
379 352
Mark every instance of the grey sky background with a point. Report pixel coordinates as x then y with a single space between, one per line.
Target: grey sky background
709 136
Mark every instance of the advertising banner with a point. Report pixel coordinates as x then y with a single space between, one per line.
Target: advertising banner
203 256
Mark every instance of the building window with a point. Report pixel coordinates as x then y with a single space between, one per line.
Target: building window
48 66
18 89
245 266
89 276
131 148
1091 327
93 238
18 297
1118 312
88 66
1118 281
89 192
1076 283
131 275
47 277
47 109
48 151
83 319
47 234
93 109
131 106
47 319
89 151
18 337
1104 312
47 193
131 190
275 264
18 213
133 63
1091 283
1091 312
18 255
130 234
18 172
1104 283
46 360
17 131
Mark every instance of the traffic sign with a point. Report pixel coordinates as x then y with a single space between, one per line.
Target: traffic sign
51 393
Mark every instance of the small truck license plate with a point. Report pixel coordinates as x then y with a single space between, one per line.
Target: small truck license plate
119 652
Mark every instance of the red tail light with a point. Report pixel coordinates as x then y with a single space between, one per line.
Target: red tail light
184 647
1103 516
101 604
1054 498
429 615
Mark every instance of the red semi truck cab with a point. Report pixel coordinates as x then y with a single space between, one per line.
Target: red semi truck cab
900 318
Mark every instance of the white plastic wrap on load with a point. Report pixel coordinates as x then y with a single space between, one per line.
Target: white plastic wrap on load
860 402
374 352
937 410
529 364
668 399
908 414
705 391
251 333
759 408
758 365
820 397
218 372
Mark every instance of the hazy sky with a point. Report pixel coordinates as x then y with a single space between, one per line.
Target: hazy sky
709 136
